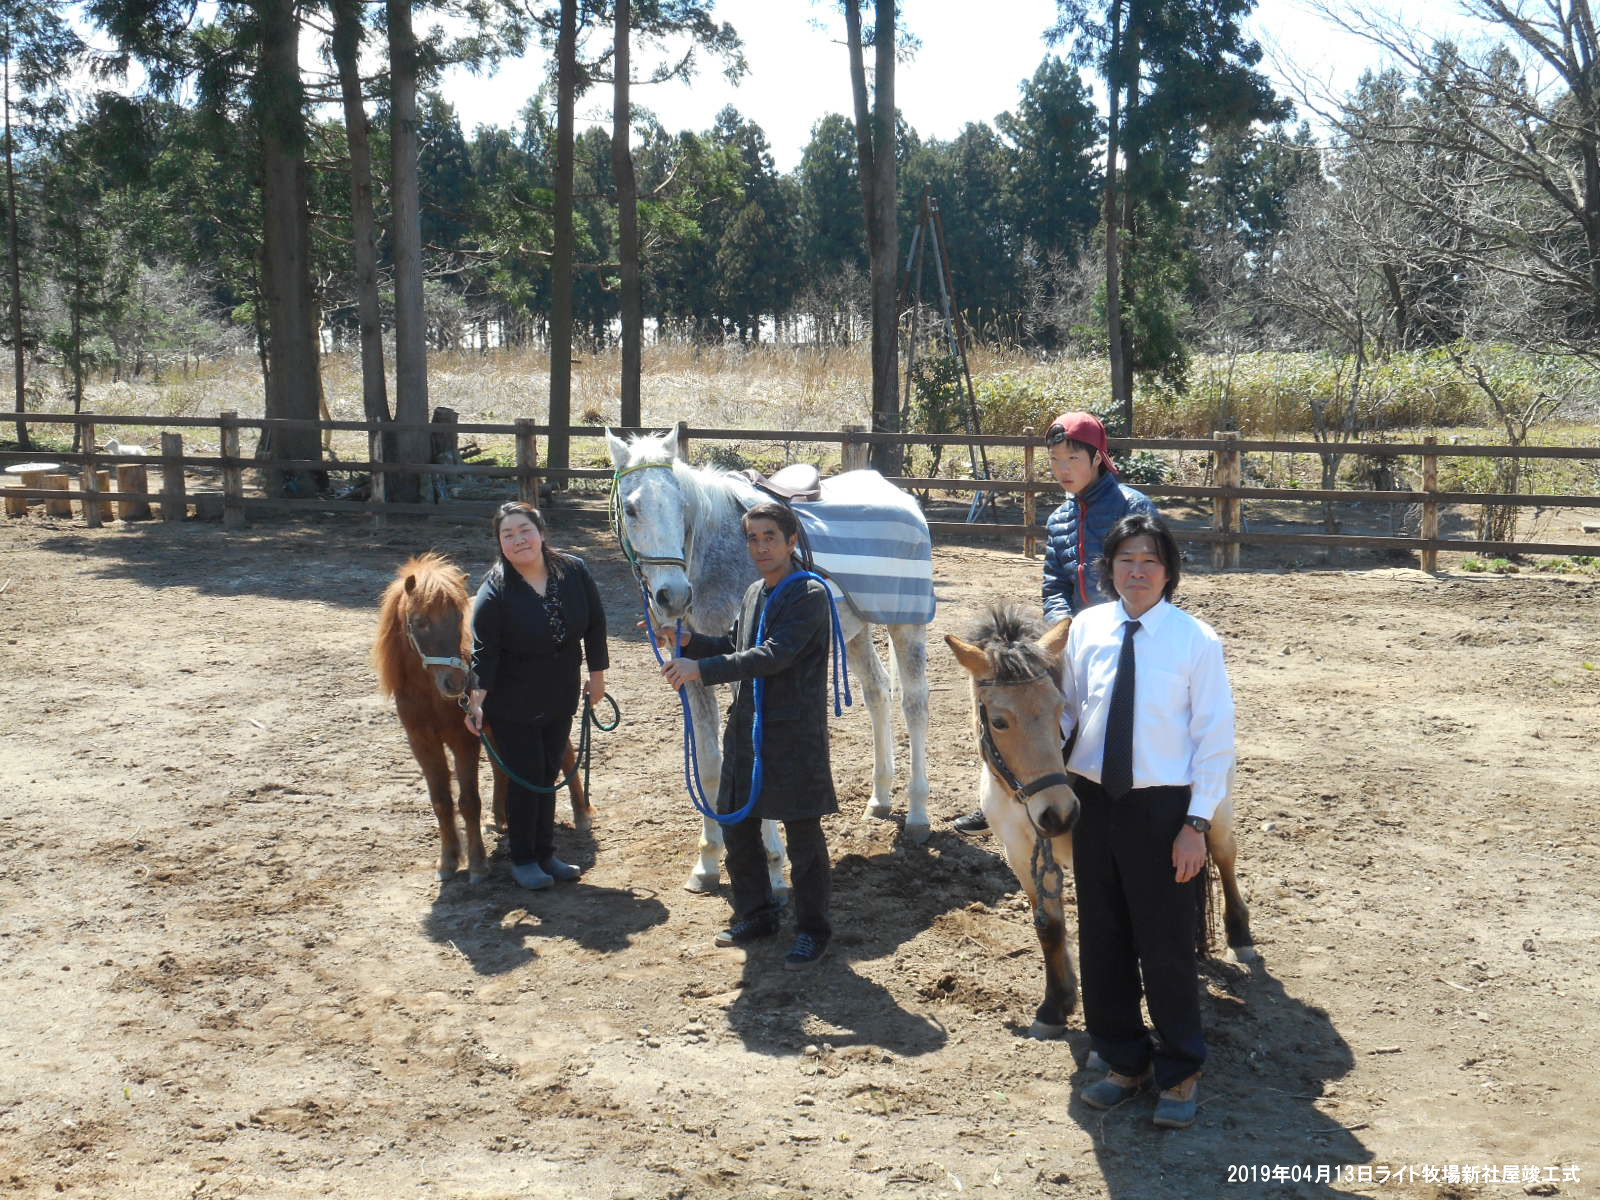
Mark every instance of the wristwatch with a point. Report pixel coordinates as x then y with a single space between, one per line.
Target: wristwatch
1198 824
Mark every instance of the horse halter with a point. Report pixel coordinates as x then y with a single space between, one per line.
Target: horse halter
996 762
636 560
432 660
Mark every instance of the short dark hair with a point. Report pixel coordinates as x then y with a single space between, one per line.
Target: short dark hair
780 515
1139 525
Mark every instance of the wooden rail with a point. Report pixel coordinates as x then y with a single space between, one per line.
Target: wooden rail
103 482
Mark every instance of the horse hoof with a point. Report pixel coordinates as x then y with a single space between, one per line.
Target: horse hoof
445 874
780 896
1040 1031
701 884
881 812
917 833
583 824
1245 954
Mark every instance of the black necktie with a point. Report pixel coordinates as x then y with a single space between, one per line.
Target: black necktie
1116 769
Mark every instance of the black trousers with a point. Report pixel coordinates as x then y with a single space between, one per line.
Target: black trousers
533 752
1135 923
810 873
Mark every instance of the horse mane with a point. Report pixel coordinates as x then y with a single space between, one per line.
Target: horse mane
439 584
1010 635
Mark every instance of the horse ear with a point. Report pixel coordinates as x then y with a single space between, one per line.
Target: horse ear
411 584
670 443
969 656
618 448
1055 640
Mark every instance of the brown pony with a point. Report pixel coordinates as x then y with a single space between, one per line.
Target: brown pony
421 654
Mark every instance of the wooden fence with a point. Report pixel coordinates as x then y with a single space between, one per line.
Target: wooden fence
1227 450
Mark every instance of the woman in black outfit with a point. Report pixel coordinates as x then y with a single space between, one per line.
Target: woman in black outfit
533 613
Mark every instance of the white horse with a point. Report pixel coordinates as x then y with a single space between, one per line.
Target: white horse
683 525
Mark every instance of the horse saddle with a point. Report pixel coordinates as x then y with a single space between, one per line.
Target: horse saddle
797 482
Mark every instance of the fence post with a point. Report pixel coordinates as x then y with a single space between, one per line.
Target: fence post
232 471
378 490
1235 505
681 428
174 504
1030 544
852 453
89 481
1225 510
527 462
1430 509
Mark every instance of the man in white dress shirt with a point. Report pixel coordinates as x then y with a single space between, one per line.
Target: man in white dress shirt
1148 694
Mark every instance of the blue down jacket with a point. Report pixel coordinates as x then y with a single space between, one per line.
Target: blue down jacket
1075 534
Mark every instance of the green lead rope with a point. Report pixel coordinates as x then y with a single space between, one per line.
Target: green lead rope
586 724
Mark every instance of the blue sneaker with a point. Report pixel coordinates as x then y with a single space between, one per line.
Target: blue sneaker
807 951
742 933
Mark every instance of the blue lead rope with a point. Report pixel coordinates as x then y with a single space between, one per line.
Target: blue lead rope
691 758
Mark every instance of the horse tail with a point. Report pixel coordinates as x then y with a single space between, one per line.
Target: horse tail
1205 909
896 688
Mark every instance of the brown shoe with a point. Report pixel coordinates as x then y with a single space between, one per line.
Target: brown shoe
1178 1104
1114 1089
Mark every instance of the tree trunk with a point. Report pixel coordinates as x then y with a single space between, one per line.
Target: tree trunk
875 148
627 224
19 358
561 258
1111 216
363 222
410 326
293 385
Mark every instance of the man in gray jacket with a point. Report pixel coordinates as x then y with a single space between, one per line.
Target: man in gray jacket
791 659
1096 500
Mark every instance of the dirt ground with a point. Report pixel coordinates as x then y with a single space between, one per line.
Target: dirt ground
230 970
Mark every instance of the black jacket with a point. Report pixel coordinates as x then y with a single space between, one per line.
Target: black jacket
530 678
793 662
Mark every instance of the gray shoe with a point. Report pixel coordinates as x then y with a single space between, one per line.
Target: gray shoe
562 872
531 876
1178 1105
1114 1089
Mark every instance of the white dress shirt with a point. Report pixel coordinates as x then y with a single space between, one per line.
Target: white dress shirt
1182 701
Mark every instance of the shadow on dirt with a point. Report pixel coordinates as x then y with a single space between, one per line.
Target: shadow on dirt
880 902
1272 1056
473 917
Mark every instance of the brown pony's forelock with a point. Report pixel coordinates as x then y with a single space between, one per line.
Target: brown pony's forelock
1010 636
440 584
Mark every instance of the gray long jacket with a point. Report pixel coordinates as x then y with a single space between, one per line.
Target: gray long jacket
793 662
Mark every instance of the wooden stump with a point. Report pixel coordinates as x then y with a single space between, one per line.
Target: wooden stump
102 483
16 505
33 475
132 477
57 508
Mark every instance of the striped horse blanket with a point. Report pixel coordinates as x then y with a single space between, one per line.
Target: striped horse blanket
872 541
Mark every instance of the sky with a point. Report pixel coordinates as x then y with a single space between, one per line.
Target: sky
965 70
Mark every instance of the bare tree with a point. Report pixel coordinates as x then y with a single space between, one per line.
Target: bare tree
1325 271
